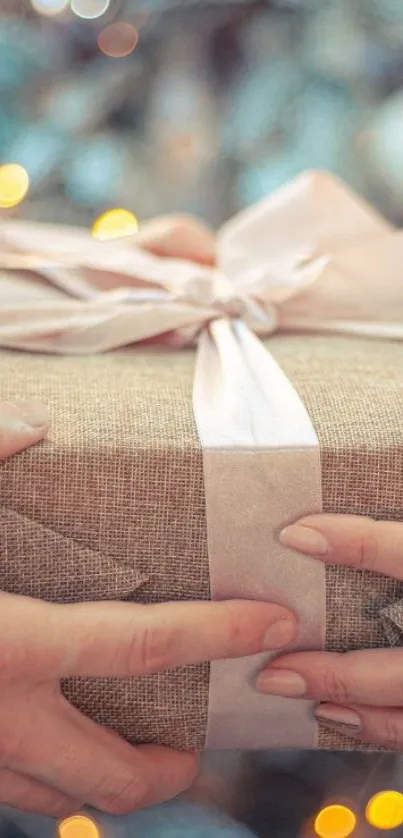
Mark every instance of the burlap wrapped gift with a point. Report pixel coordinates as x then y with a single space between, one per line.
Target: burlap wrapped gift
113 504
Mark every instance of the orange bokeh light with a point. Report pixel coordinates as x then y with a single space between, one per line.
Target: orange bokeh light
118 40
78 826
335 822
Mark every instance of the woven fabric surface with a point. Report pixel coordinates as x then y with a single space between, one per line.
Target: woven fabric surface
111 506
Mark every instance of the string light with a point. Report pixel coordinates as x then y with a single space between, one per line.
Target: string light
385 810
335 822
78 826
118 40
49 7
89 9
14 185
115 224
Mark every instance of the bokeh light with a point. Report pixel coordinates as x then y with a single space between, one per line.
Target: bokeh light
49 7
335 822
118 39
78 826
385 810
89 9
14 185
115 224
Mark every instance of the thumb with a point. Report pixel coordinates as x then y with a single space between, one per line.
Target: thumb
178 237
21 424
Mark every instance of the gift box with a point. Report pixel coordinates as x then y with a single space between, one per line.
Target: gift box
119 502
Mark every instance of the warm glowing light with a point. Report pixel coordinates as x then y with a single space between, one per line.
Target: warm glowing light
115 224
49 7
385 810
14 185
78 826
335 822
90 9
118 40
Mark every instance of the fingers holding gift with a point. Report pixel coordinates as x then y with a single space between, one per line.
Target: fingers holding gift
375 725
57 748
351 540
372 677
28 795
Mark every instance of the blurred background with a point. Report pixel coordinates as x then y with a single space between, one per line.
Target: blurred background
155 105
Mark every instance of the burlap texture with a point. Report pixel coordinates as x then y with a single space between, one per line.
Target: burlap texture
112 505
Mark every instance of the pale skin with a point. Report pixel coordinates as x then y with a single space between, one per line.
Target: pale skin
53 760
359 693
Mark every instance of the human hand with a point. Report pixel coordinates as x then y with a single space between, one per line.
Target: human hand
53 760
362 691
178 237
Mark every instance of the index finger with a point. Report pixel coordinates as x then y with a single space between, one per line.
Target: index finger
352 540
46 641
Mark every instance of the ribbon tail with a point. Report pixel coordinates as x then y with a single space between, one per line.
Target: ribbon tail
261 470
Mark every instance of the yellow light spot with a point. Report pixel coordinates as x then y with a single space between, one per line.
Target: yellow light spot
89 9
118 40
335 822
115 224
14 185
78 826
385 810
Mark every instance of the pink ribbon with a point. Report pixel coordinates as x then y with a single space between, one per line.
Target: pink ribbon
312 257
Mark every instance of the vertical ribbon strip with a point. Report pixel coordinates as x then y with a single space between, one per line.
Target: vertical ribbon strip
261 470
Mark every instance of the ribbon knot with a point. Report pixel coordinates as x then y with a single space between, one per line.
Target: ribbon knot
217 293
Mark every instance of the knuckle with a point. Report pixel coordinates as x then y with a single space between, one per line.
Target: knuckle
129 796
365 548
335 686
55 806
150 649
7 662
10 743
240 630
392 733
238 634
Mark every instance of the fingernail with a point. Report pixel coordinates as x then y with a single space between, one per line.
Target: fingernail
281 682
304 540
339 718
31 414
280 634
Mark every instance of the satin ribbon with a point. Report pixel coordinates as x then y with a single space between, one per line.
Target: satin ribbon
313 257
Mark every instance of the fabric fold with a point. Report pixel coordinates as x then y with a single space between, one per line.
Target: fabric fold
27 548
